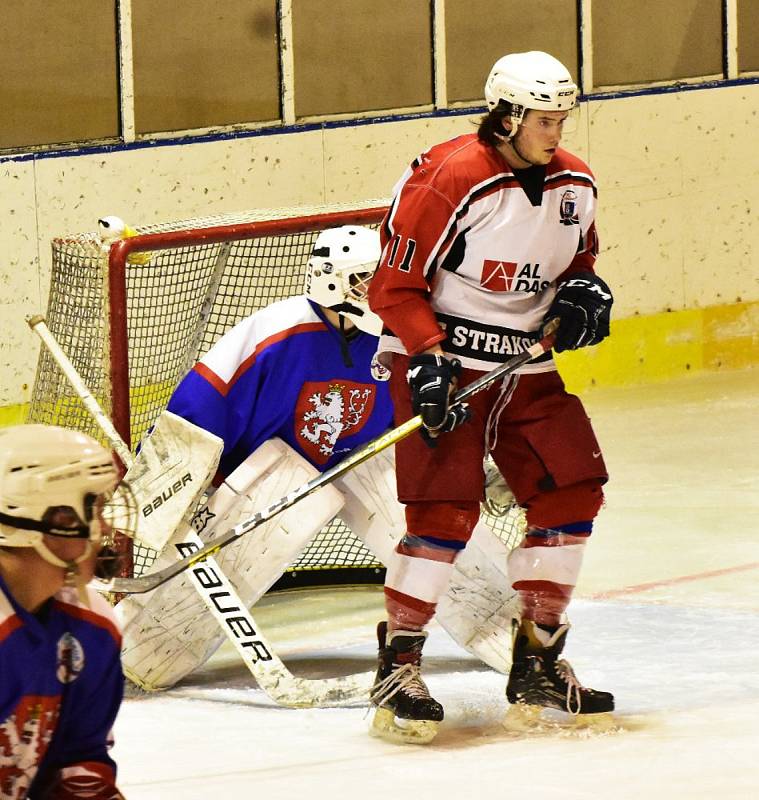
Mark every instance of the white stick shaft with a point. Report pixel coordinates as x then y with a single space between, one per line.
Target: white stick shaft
255 649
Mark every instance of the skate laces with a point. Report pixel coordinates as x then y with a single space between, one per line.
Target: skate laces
574 687
407 677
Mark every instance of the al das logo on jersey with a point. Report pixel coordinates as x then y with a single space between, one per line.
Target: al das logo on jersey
328 410
508 276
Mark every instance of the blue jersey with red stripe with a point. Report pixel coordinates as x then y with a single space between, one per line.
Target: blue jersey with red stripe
61 686
286 371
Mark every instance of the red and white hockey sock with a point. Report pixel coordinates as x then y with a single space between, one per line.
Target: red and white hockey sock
545 567
417 576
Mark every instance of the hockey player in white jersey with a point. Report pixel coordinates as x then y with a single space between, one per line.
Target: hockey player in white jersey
488 237
290 390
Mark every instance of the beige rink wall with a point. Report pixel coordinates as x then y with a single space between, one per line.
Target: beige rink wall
678 177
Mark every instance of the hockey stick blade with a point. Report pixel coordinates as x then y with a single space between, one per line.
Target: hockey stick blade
256 650
147 583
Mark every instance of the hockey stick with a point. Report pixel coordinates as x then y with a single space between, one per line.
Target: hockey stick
39 326
216 591
147 583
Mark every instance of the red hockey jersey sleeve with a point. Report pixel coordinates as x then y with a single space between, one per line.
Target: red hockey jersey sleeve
398 292
417 231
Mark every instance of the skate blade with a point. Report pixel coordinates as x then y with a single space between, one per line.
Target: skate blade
402 731
522 718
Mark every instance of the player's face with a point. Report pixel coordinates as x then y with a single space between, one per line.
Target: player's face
539 135
71 549
66 549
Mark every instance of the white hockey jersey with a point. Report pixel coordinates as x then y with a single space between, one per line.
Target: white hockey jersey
471 261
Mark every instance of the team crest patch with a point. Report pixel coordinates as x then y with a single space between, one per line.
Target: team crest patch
378 370
70 660
24 738
568 208
329 410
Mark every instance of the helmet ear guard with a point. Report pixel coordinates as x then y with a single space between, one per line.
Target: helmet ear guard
342 263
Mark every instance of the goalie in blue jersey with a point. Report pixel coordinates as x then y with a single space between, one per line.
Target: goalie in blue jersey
290 391
301 369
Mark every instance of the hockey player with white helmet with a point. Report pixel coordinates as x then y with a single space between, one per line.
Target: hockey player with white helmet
61 681
290 391
489 236
342 263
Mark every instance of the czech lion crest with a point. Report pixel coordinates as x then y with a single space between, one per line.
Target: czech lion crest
327 411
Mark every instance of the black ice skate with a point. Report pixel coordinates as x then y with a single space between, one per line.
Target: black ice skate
539 679
405 711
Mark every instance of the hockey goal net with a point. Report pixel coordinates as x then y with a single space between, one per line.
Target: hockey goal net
134 318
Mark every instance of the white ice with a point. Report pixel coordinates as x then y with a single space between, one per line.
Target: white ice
666 616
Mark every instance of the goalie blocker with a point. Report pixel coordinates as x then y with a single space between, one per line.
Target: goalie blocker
167 635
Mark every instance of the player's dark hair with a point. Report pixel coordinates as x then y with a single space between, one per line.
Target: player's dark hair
491 125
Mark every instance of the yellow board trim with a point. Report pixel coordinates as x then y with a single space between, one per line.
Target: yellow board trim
660 347
13 415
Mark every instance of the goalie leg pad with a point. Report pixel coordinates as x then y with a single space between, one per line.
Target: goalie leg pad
372 510
169 633
478 605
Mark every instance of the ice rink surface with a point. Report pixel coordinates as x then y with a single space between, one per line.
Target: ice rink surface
666 616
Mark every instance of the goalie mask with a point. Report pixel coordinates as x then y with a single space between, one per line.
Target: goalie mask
341 265
532 80
59 482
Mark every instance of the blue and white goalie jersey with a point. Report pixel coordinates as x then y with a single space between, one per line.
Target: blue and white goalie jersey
286 371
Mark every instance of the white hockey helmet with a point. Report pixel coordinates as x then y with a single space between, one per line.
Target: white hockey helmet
52 481
533 80
342 263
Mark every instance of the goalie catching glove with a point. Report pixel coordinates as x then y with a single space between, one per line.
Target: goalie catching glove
433 379
583 306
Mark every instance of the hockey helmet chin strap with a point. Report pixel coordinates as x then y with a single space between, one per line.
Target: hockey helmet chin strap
90 533
342 309
347 308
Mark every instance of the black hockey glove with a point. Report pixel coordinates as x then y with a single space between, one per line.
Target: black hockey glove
432 379
583 306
